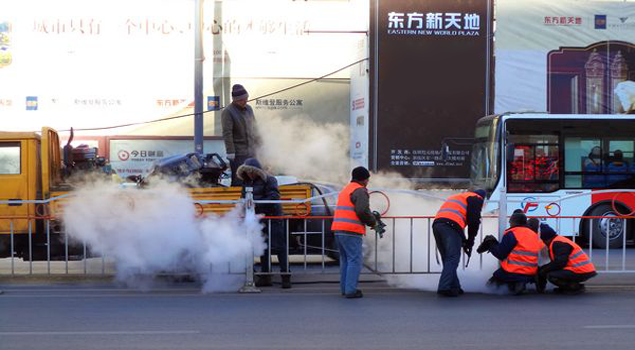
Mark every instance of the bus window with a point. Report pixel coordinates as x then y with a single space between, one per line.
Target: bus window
599 163
619 163
584 163
533 168
10 158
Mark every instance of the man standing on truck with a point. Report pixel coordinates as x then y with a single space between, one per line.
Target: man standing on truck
569 266
351 214
239 131
458 211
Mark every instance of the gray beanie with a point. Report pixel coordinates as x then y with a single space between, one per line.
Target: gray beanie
239 92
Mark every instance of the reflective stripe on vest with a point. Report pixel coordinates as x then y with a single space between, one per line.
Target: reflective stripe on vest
578 262
345 218
523 259
455 208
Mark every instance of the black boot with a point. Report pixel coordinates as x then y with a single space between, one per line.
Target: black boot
263 281
286 281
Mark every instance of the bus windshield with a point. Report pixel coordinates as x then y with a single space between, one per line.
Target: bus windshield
486 154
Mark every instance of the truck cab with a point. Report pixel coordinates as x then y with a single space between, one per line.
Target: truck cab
29 166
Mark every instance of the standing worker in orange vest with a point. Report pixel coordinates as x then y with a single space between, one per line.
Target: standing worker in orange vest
458 211
351 215
569 266
518 252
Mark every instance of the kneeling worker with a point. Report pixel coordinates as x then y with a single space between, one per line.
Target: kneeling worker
518 252
569 266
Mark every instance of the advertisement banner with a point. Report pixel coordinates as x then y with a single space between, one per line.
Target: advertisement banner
102 63
569 57
429 84
136 156
359 108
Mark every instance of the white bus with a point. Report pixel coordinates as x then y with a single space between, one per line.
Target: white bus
561 165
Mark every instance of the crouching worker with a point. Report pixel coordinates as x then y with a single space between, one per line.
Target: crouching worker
518 252
569 266
265 187
350 219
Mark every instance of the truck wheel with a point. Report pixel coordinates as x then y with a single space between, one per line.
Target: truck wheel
615 229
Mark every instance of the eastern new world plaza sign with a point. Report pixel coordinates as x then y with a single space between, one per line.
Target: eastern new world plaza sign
430 83
434 23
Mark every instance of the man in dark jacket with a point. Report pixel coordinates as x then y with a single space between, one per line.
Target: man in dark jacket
265 187
239 131
350 219
569 266
518 252
458 211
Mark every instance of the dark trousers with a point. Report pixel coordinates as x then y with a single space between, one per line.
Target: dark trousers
501 276
449 242
566 279
278 245
233 165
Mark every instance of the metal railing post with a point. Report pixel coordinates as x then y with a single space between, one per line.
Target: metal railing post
12 250
48 246
287 238
30 249
323 245
606 250
429 244
270 269
249 286
411 242
624 247
306 242
393 244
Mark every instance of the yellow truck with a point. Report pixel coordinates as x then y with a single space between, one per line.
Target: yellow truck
32 171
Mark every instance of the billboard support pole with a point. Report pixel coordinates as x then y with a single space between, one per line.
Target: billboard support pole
198 76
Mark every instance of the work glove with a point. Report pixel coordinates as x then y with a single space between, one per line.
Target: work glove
487 243
231 156
468 245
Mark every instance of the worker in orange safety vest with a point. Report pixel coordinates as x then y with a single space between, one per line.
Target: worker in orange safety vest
352 215
569 266
458 211
518 251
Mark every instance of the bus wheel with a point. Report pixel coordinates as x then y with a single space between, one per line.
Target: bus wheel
615 229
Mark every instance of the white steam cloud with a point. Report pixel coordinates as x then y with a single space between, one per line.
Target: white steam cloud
308 150
154 230
303 148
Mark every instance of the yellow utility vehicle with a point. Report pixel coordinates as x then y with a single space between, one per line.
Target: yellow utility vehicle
35 179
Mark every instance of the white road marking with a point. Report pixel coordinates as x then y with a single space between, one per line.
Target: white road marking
101 333
617 326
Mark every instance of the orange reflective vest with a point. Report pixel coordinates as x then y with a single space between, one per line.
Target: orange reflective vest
345 218
524 258
578 262
455 208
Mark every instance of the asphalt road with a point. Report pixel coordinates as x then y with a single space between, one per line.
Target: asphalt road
311 316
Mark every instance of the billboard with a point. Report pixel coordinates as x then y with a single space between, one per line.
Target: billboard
136 156
429 84
579 57
102 63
